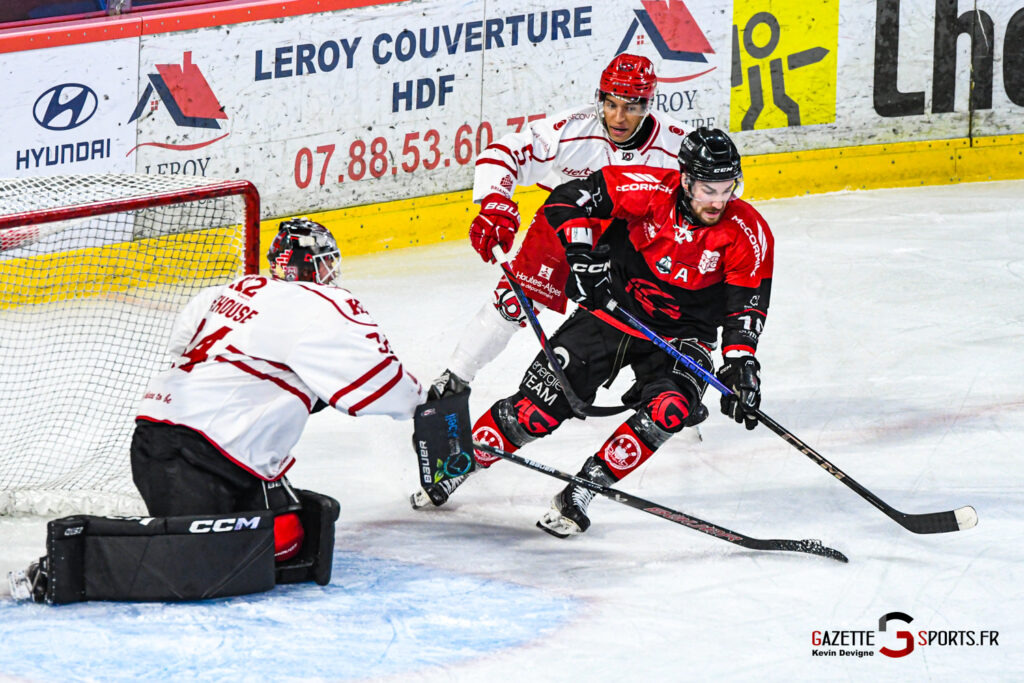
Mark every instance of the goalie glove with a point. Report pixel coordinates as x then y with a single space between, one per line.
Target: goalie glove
589 282
743 376
497 224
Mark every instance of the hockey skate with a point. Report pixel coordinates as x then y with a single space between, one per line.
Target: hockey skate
29 584
436 494
568 513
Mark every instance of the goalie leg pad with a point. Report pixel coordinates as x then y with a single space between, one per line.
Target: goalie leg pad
316 558
159 558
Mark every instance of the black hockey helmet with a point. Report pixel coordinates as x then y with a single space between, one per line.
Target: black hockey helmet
708 154
304 251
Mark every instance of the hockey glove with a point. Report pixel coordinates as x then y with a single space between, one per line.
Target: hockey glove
448 384
589 282
497 224
743 376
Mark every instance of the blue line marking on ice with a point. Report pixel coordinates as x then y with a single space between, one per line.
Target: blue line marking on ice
377 617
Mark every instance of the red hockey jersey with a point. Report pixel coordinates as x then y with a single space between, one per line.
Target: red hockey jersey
680 277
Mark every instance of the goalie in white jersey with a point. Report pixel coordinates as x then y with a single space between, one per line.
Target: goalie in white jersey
253 359
214 432
618 128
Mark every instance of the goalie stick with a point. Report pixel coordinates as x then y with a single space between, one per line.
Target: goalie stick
580 408
925 523
811 546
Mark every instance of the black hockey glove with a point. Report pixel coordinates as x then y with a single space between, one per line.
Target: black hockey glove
448 384
743 376
589 282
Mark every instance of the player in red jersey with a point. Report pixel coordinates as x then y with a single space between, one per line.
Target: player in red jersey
685 256
618 128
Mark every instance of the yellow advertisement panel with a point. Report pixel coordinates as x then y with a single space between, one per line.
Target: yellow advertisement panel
783 63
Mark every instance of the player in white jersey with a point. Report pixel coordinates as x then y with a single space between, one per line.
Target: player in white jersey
620 130
251 361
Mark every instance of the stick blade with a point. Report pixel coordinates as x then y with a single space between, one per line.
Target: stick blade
938 522
966 517
811 546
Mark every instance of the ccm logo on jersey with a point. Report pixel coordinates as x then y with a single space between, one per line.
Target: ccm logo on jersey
642 181
205 526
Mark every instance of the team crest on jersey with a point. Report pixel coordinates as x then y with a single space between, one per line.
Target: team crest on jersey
664 265
708 261
682 234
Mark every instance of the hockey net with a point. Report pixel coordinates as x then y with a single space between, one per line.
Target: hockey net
93 270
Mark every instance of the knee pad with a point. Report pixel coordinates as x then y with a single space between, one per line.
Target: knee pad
523 420
507 304
510 424
315 558
664 412
288 536
668 410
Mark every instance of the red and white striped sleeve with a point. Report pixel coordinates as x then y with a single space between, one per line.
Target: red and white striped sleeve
345 357
522 158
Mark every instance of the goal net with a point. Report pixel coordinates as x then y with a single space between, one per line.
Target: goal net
93 270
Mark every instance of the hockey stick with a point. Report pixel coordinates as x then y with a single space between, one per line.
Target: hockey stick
926 523
580 408
814 547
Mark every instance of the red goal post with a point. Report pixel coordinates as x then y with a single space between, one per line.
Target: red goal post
93 270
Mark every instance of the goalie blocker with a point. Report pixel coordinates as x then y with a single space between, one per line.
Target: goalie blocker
443 439
176 558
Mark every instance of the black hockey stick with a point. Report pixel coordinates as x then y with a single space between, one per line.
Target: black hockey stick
814 547
580 408
926 523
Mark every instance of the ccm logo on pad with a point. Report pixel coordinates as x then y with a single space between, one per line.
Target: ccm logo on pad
205 526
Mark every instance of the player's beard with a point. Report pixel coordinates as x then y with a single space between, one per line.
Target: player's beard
702 214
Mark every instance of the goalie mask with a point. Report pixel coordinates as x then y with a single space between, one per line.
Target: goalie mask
304 251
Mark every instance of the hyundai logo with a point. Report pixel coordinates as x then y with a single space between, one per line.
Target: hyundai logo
65 106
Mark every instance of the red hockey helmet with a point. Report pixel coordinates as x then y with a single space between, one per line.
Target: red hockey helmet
305 251
629 77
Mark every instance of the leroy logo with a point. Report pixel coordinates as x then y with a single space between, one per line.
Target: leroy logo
674 33
186 96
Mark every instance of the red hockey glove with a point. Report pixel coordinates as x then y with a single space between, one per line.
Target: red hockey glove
497 223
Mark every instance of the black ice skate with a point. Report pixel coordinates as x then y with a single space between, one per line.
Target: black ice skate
568 513
29 584
436 494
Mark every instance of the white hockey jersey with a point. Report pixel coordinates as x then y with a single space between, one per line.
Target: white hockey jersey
252 358
571 144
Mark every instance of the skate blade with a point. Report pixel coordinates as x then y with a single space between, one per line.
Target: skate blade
21 589
558 526
420 500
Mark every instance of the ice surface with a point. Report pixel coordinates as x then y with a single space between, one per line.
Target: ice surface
893 347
